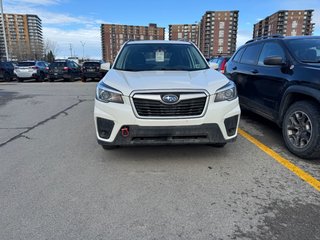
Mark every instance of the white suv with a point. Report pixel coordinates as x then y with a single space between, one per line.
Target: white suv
163 92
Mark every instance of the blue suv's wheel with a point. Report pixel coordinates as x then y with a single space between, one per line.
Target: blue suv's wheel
301 129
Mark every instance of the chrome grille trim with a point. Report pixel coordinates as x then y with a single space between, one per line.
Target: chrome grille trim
149 105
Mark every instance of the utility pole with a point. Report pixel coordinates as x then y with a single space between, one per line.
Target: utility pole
82 43
70 47
4 32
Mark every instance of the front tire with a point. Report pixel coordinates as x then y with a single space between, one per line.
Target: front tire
301 129
71 79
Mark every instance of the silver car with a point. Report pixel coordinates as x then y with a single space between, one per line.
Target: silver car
31 70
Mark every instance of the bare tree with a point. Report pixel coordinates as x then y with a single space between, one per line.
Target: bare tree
52 46
20 51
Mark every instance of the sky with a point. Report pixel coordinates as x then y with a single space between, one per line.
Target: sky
77 23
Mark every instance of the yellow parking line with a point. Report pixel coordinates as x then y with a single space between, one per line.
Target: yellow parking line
286 163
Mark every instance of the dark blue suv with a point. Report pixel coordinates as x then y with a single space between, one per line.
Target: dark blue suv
279 78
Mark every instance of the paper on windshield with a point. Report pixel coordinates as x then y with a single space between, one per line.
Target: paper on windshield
159 56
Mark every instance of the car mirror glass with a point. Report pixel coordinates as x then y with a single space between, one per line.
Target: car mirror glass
274 60
213 65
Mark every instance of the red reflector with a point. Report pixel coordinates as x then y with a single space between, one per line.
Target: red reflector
34 67
66 68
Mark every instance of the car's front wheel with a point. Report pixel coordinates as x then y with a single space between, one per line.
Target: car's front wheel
301 129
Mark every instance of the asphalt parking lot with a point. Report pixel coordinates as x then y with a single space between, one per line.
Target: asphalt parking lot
57 183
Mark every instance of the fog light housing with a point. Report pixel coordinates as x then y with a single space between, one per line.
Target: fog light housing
231 125
105 127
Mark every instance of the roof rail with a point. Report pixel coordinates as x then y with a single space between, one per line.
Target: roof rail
265 37
183 40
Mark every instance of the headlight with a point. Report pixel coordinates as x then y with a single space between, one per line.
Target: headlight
108 94
227 93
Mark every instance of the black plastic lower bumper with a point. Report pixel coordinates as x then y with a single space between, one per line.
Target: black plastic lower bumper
138 135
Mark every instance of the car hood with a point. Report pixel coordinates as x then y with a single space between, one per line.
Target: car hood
126 81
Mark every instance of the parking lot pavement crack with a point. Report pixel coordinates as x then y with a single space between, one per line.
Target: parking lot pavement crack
17 128
22 134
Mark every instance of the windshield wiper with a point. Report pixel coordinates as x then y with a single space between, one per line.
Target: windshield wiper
130 69
173 69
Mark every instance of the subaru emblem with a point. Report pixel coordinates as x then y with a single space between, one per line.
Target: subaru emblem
170 99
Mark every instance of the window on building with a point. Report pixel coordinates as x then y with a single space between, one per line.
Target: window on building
294 24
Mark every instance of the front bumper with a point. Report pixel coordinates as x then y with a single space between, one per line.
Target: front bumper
138 135
218 125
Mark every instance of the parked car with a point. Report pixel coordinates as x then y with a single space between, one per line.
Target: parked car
6 71
279 78
47 69
30 70
163 92
221 62
92 70
64 69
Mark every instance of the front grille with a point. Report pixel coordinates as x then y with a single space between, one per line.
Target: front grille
155 108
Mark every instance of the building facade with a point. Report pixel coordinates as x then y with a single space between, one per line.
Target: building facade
218 33
24 37
187 32
286 23
114 35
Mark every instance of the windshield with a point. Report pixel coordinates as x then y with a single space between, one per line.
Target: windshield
156 56
306 50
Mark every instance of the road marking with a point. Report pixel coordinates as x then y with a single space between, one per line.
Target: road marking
286 163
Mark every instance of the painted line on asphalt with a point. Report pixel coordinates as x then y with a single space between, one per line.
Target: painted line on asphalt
284 162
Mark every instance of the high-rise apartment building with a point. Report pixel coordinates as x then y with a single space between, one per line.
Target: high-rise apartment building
286 23
24 37
187 32
218 33
114 35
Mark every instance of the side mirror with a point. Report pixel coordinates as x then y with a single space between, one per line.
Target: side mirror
274 61
213 65
105 66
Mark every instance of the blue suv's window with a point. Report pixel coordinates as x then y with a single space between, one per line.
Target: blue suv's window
238 55
251 54
271 49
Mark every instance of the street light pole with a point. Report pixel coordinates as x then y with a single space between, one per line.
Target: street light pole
4 32
83 43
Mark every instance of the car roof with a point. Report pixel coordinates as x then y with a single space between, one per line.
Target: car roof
278 37
158 42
